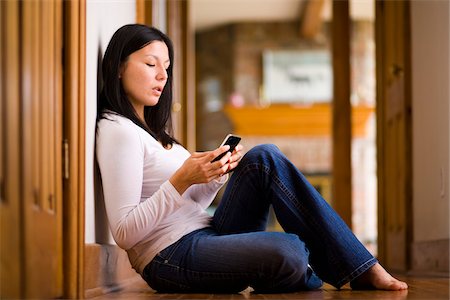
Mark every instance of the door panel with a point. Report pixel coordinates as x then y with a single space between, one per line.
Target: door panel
42 142
31 207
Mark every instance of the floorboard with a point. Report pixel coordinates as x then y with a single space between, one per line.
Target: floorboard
419 288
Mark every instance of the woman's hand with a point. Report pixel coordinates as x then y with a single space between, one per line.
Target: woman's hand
235 158
198 168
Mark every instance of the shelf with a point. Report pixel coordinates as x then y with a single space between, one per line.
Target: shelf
288 120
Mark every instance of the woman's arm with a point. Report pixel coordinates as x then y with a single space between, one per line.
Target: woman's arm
120 154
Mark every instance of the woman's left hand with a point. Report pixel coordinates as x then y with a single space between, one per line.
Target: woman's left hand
235 158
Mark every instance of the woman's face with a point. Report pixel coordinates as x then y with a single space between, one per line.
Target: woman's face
143 75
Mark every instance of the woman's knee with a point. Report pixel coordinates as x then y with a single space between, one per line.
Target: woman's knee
264 148
263 151
288 254
287 265
295 251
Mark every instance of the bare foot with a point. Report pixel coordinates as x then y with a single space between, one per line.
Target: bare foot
377 278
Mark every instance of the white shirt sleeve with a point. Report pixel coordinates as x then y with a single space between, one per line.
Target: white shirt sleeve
204 194
120 154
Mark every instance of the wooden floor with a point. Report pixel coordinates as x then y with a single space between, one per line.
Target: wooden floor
419 288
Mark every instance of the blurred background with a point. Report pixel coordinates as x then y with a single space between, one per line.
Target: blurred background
264 75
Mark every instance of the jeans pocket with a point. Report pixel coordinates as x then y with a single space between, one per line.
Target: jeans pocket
165 278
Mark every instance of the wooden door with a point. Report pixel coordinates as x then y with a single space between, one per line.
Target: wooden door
33 106
394 132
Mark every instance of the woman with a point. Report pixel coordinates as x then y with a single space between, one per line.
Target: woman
156 194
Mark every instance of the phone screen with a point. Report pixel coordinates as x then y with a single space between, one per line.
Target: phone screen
232 141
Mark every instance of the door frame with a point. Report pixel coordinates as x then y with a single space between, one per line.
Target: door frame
394 217
74 47
11 228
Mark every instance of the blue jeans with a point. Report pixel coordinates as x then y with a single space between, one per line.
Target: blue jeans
236 252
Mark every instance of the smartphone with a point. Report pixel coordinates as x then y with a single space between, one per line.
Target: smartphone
231 140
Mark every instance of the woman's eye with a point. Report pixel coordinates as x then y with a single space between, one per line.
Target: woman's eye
150 65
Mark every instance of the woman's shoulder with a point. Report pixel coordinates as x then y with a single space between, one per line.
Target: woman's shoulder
112 119
115 127
117 123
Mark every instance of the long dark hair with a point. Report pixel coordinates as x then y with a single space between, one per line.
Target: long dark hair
125 41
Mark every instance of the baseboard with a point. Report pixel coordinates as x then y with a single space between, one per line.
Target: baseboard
430 258
107 269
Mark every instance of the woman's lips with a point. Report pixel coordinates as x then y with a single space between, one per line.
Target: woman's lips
157 91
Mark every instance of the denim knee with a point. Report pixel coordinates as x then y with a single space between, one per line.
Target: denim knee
263 149
262 152
287 267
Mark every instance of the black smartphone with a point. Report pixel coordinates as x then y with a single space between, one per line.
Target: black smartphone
231 140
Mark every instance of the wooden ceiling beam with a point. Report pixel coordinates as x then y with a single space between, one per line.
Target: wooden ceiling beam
311 18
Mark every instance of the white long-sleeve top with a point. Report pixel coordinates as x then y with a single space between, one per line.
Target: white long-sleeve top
145 212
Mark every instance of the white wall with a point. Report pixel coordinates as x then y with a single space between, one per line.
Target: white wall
103 18
431 114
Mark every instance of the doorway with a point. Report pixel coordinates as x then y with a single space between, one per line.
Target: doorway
236 57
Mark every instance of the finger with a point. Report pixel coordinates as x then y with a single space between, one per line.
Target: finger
218 165
224 169
237 153
232 166
218 172
225 159
204 157
235 157
219 151
215 168
222 164
238 148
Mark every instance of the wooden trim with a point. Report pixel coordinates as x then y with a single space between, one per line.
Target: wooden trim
342 135
408 135
81 145
190 82
380 108
55 205
74 133
11 227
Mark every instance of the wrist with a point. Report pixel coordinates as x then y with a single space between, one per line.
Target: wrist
179 183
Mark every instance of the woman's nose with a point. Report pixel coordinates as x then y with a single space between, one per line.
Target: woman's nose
162 74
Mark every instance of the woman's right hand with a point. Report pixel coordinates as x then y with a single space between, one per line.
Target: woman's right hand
198 168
